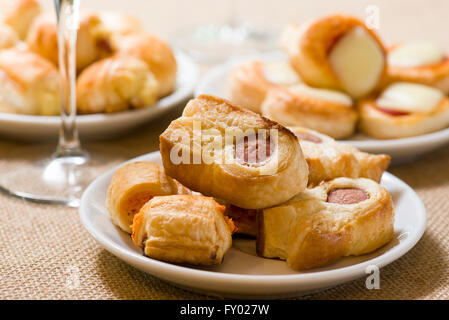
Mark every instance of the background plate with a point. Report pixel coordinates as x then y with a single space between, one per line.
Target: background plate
102 126
215 83
243 274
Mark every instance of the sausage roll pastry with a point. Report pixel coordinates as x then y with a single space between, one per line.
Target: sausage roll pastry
328 159
404 110
327 111
20 14
250 81
32 88
243 219
233 154
116 84
155 53
419 62
338 218
183 229
133 185
93 41
8 37
336 52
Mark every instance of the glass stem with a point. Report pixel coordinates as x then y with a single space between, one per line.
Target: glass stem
67 13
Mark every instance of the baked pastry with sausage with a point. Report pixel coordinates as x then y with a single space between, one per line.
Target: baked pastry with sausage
249 82
32 88
116 84
133 185
336 52
155 53
404 109
328 159
19 15
245 220
419 62
328 111
233 154
339 218
183 229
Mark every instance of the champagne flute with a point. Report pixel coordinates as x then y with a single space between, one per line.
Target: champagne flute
37 173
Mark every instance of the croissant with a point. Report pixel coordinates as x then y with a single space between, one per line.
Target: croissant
93 41
249 82
328 111
342 217
336 52
183 229
115 84
34 88
404 110
328 159
8 37
20 14
418 62
237 150
156 54
133 185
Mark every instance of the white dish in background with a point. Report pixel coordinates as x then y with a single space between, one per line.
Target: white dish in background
101 126
243 274
215 83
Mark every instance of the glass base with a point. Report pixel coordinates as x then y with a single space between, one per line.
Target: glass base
35 174
215 43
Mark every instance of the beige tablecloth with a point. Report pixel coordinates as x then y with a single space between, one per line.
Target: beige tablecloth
45 253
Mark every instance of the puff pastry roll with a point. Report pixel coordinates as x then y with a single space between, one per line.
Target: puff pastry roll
133 185
419 62
328 111
116 84
183 229
155 53
338 218
336 52
240 157
32 88
8 37
328 159
250 81
93 40
404 110
20 14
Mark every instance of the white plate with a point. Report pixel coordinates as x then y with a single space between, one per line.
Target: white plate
215 83
101 126
243 273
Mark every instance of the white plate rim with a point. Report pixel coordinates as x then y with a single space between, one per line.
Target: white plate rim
166 270
161 105
222 70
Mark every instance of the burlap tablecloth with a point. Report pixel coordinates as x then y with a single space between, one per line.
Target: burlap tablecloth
45 253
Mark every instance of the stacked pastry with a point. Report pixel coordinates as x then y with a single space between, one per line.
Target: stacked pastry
305 197
119 66
339 77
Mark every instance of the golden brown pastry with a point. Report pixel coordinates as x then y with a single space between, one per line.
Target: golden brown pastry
337 52
249 82
183 229
133 185
328 159
404 110
20 14
157 55
328 111
8 37
29 84
116 84
240 157
419 62
342 217
93 40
